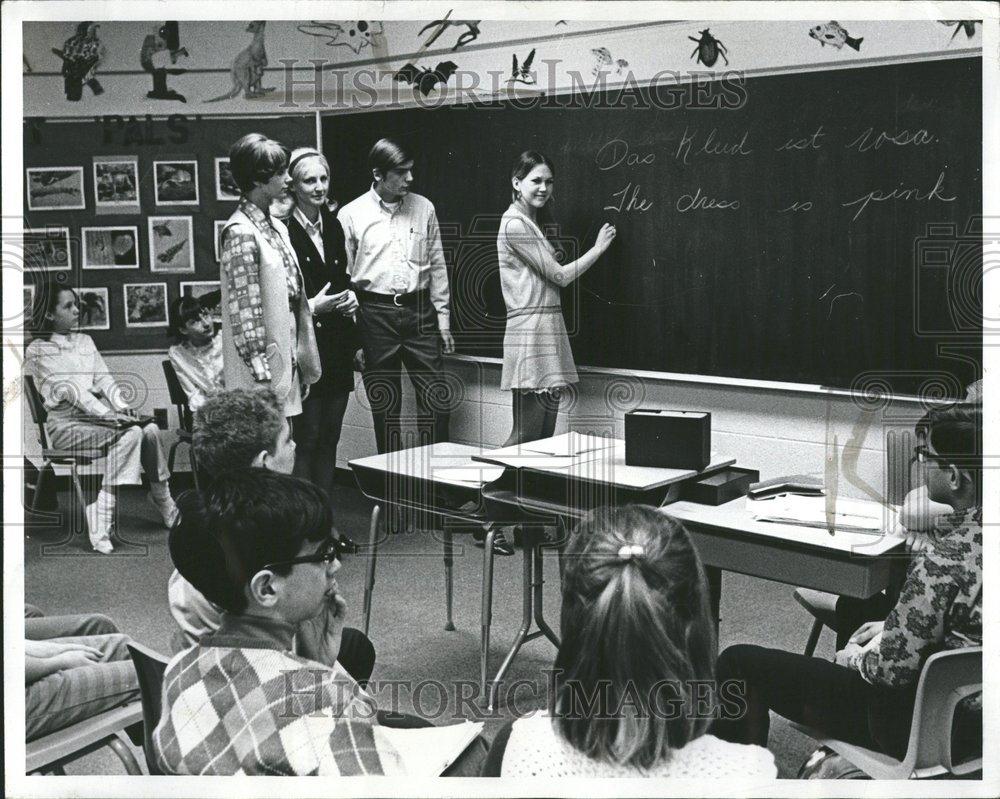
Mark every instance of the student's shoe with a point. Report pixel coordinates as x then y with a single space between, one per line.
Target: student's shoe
166 507
501 546
103 546
98 529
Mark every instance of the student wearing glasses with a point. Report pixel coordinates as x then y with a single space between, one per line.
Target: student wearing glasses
866 697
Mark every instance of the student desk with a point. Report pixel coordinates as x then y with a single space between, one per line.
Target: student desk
439 481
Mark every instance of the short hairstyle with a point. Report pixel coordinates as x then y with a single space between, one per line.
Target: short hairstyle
46 299
244 520
636 631
387 155
254 159
184 310
956 434
300 158
233 426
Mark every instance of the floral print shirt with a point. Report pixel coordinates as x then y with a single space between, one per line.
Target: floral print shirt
940 606
241 269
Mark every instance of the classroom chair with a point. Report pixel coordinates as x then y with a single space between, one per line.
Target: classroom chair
73 458
822 606
178 398
150 667
946 679
52 752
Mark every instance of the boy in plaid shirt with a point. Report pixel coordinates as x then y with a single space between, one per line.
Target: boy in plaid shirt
241 701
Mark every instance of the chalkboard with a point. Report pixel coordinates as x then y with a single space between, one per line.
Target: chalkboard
812 228
176 138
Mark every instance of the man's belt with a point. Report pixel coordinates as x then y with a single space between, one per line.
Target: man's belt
399 300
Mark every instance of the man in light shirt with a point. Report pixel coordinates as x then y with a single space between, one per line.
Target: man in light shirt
397 269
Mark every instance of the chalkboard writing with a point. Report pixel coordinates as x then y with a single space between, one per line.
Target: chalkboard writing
781 240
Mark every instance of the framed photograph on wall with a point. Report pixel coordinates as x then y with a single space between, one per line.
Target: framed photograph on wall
145 304
225 186
29 305
110 247
220 225
47 249
201 288
116 184
175 182
171 244
95 311
51 188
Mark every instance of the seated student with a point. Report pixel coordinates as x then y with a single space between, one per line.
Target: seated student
237 428
86 409
866 697
240 701
633 690
197 355
74 667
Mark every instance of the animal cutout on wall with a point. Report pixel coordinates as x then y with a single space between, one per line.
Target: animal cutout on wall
522 73
833 34
248 68
604 61
470 35
709 49
355 35
426 80
81 54
158 57
967 25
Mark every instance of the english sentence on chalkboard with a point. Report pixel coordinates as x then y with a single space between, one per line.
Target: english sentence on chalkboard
630 199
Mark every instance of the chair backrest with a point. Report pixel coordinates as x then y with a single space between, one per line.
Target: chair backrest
178 397
899 443
38 413
946 679
149 667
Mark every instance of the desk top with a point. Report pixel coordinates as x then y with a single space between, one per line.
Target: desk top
588 457
735 517
447 463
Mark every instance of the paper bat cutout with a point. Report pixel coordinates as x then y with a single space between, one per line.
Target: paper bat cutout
426 80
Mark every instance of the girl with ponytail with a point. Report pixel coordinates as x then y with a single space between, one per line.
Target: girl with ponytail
634 677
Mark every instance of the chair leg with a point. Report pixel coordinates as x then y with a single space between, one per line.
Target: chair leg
487 608
814 633
370 570
171 454
448 561
194 467
120 748
81 499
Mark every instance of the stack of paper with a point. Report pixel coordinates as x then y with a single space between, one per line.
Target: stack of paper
850 515
568 445
427 751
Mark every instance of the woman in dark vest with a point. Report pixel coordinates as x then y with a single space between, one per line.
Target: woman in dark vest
318 241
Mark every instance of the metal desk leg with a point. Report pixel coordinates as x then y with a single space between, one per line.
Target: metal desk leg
370 570
448 560
526 614
487 607
713 575
537 583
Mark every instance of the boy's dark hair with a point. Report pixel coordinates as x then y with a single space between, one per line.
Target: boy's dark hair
246 519
956 434
638 640
233 426
387 155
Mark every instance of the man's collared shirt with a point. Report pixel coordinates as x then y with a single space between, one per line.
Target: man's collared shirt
396 248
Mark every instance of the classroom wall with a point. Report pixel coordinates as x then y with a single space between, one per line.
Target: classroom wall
776 430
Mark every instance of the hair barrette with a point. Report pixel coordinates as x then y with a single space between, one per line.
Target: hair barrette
629 551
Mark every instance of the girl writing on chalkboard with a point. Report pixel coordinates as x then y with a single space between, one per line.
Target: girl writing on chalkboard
87 410
537 359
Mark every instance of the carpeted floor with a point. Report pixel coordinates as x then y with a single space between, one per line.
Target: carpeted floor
421 667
